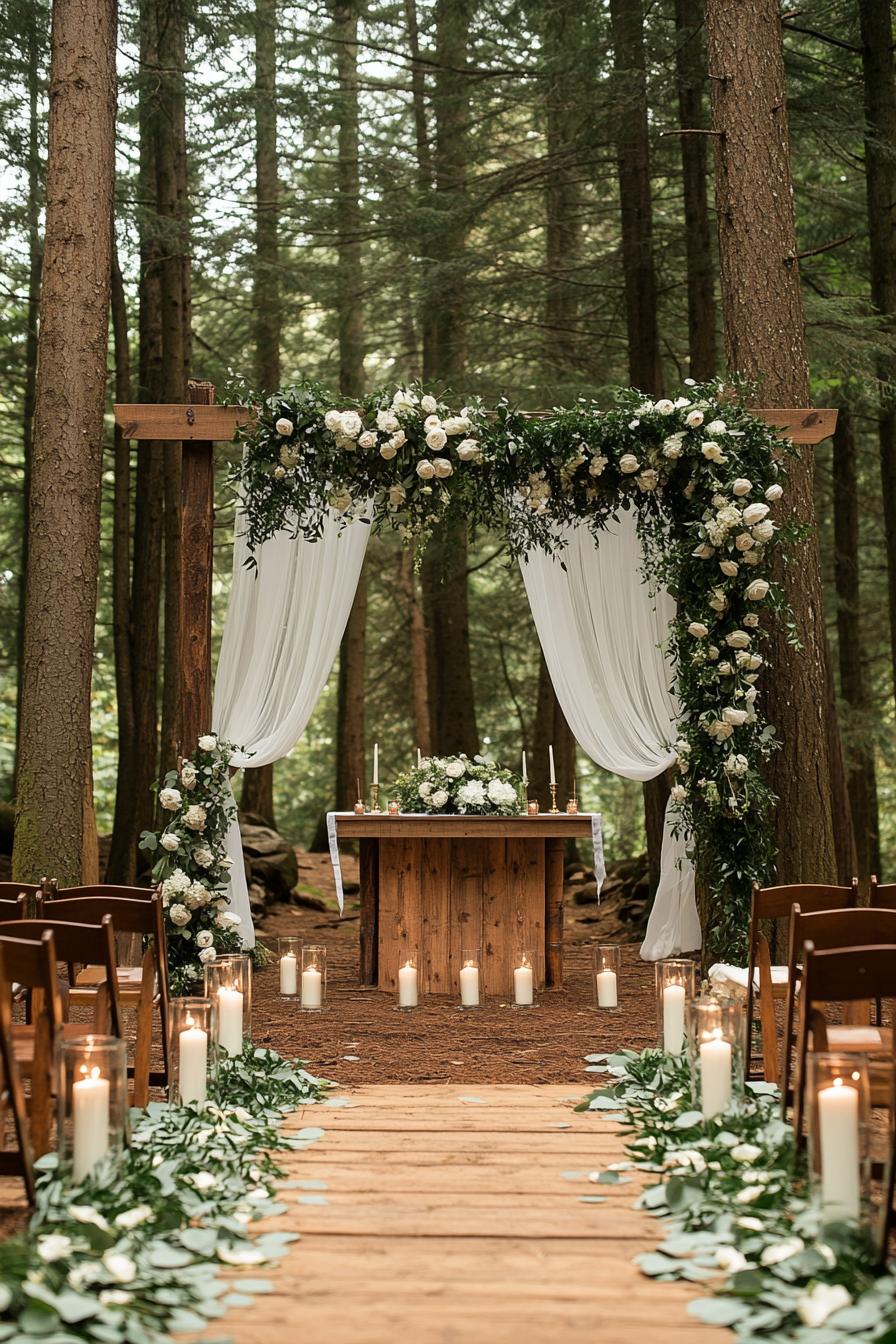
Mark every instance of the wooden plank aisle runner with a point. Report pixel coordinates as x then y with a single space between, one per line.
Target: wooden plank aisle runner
451 1222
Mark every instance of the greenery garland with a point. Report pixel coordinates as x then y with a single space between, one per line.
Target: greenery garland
132 1254
703 475
734 1192
456 784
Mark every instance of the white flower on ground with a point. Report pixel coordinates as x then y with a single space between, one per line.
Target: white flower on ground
141 1213
208 742
738 639
350 424
170 799
241 1255
428 405
179 915
54 1247
698 630
468 450
439 798
284 426
170 841
367 439
195 817
454 769
202 1180
436 438
443 467
741 486
750 1193
821 1301
694 419
333 421
757 590
120 1266
730 1259
712 452
774 492
782 1250
628 464
425 469
188 774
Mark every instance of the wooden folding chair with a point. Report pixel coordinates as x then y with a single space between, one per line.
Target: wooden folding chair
28 894
82 944
842 975
19 1160
142 987
883 895
771 904
829 930
32 962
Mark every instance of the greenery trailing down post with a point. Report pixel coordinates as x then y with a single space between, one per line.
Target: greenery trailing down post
132 1254
703 475
733 1192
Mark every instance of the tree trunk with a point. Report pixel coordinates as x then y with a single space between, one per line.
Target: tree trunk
425 184
690 67
562 196
876 20
122 864
64 521
174 225
861 776
350 757
257 794
452 703
764 339
550 729
417 647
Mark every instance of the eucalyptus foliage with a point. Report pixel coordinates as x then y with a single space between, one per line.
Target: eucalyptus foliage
133 1252
734 1193
703 475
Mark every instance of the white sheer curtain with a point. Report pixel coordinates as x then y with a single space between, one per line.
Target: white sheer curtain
283 629
601 633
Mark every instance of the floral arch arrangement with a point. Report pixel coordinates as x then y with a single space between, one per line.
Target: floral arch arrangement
703 475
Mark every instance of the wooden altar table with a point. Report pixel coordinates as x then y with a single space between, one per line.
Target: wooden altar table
434 885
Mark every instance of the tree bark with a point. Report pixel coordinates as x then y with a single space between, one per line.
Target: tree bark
64 515
765 340
876 21
257 795
452 702
550 728
425 186
690 65
861 774
417 645
561 34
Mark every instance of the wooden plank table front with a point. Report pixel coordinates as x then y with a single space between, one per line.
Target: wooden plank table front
432 886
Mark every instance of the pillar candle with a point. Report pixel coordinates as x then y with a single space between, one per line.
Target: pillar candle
376 762
715 1076
551 762
192 1063
673 1019
419 758
469 985
288 973
312 986
525 774
230 1020
607 993
407 986
90 1123
838 1126
523 985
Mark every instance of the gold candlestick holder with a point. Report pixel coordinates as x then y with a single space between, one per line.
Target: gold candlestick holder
376 799
553 788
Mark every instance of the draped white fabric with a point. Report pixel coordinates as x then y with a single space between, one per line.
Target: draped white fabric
283 629
602 632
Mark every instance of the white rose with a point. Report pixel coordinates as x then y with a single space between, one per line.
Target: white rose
736 717
341 499
228 920
208 742
754 513
765 530
741 486
179 915
678 793
468 450
704 552
672 447
350 424
188 774
774 492
698 630
744 541
170 841
454 769
664 406
205 938
130 1218
648 480
170 799
388 450
399 439
367 439
597 464
730 1259
436 438
694 419
425 789
756 591
195 817
425 470
725 670
751 620
738 639
443 467
718 601
439 798
712 452
208 954
500 793
456 424
404 400
178 881
737 765
716 427
284 426
279 473
782 1250
628 464
719 730
397 496
821 1301
428 405
333 421
289 455
387 421
728 567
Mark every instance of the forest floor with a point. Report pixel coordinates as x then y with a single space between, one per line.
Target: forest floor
360 1038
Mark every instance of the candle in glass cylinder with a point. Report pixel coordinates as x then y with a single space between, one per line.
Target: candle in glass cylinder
838 1126
469 985
523 985
230 1020
192 1063
407 986
312 987
607 990
288 973
90 1122
673 1019
715 1074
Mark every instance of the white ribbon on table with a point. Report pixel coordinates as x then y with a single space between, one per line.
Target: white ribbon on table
597 844
334 858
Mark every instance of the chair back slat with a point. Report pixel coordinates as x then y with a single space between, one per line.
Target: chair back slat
20 1160
14 909
89 944
128 916
103 891
883 895
10 891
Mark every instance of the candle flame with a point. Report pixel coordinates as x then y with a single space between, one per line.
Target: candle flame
189 1020
469 963
838 1082
408 966
93 1073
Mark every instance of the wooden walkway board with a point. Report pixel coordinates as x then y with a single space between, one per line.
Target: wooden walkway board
453 1221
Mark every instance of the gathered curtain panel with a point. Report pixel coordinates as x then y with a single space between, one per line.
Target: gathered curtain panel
603 633
284 625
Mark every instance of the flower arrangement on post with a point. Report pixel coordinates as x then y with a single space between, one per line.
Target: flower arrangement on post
192 864
456 784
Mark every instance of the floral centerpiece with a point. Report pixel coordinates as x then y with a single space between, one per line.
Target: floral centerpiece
192 867
456 784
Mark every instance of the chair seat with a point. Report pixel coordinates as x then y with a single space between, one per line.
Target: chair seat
23 1040
733 979
877 1040
88 980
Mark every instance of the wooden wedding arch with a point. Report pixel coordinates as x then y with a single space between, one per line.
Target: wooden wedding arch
198 424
